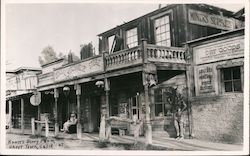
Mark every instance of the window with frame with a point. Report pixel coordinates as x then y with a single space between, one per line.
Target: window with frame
131 38
162 107
231 79
162 31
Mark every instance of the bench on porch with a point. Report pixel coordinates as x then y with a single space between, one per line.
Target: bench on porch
119 123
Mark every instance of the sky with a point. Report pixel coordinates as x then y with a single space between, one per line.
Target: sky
65 26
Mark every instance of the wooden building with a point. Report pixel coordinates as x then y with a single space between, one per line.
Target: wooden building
217 94
139 63
20 85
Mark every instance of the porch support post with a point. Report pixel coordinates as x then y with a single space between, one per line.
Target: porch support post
10 115
146 90
189 75
22 115
108 126
39 127
56 95
189 84
78 96
148 122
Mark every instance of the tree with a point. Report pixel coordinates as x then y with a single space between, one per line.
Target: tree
70 54
48 55
87 51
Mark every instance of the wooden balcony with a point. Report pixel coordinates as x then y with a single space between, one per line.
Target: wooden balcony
136 56
165 54
124 58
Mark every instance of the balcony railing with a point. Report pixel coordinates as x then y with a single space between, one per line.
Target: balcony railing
165 54
134 56
124 58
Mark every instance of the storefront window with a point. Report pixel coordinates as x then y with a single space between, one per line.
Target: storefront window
162 31
231 79
162 106
131 38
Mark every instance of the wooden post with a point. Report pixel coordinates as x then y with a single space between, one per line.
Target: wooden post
189 75
46 127
144 50
22 115
10 115
107 88
33 126
102 133
148 123
148 134
56 95
79 126
39 127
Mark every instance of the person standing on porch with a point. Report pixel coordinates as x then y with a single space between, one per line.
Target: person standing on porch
137 123
179 121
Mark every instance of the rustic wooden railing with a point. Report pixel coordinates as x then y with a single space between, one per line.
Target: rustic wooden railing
134 56
165 54
124 58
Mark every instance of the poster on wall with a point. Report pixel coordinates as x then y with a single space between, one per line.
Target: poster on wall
205 77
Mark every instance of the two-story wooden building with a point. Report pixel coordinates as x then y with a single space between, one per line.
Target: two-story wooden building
20 85
139 61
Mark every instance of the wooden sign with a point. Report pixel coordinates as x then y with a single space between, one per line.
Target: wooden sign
35 99
77 70
220 50
210 20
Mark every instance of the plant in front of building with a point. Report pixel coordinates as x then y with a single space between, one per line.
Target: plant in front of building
175 98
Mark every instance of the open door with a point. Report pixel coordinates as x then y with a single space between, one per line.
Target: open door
135 112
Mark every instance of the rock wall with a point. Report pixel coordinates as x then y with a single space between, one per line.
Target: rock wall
219 118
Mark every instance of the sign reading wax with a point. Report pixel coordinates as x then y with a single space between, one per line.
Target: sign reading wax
220 50
210 20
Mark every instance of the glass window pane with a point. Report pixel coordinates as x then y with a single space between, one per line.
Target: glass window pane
162 21
237 85
157 30
168 34
227 74
157 22
163 36
228 86
167 27
166 19
158 109
236 73
168 43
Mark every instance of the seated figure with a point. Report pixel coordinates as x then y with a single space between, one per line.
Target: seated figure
70 125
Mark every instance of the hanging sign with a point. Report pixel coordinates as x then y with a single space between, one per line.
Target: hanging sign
35 99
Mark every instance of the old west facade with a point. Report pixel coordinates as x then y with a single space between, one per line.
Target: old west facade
139 62
20 85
